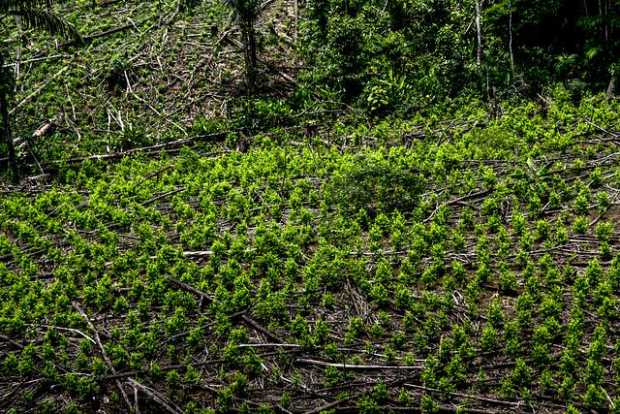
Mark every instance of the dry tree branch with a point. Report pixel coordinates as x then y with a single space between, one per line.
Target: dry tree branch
103 353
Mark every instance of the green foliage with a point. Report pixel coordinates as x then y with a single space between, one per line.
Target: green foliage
37 14
472 252
403 55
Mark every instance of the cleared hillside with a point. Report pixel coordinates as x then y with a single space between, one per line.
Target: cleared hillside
463 266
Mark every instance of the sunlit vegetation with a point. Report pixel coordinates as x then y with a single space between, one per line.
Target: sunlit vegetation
321 207
487 277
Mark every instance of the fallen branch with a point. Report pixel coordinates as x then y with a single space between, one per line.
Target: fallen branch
260 328
12 342
161 196
150 148
414 409
455 201
38 90
37 59
326 364
257 326
170 407
468 396
182 367
190 289
602 129
103 353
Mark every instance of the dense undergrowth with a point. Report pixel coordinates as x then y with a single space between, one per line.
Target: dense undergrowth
469 265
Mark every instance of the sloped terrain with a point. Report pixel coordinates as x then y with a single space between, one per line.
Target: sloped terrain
149 73
461 266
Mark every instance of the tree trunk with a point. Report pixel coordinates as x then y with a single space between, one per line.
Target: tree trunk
512 56
606 23
253 58
6 133
5 130
478 33
296 16
250 59
611 87
18 23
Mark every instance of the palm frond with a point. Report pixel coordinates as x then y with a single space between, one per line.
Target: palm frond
46 20
7 6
